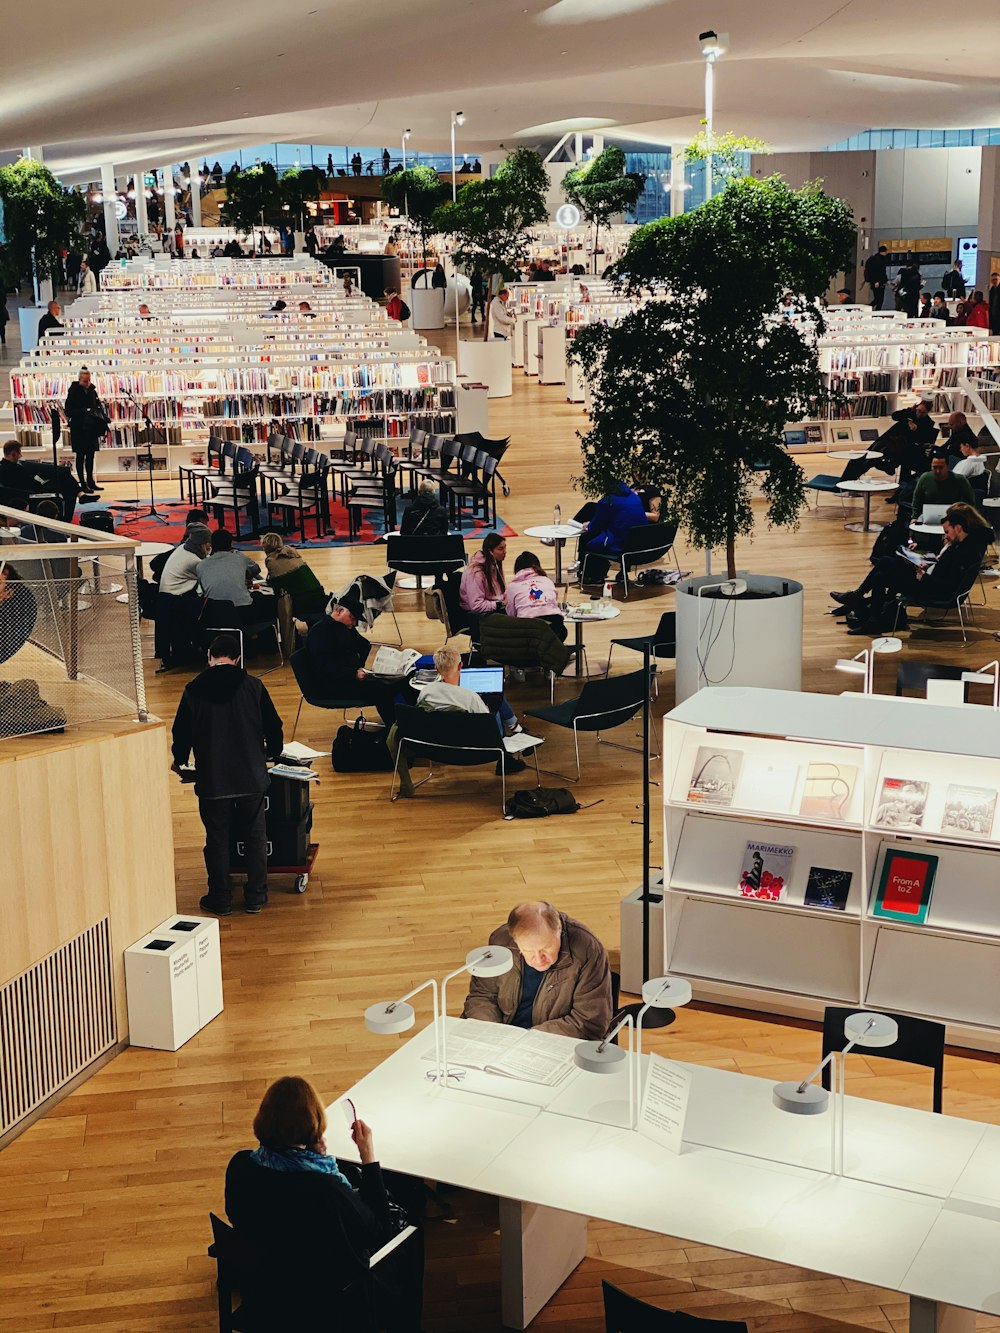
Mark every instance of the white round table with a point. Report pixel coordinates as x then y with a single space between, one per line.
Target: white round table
578 617
147 550
558 534
867 489
929 529
851 454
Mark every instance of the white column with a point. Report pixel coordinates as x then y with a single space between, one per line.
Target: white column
169 216
141 219
677 190
195 198
108 189
36 154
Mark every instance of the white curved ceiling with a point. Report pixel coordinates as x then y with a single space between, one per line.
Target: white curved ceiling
134 84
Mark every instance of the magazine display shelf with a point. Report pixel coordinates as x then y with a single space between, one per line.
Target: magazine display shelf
834 787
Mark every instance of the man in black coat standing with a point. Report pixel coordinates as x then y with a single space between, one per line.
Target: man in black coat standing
877 275
88 424
228 719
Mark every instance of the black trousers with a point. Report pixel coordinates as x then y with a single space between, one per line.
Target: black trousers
478 303
890 575
84 456
245 816
878 295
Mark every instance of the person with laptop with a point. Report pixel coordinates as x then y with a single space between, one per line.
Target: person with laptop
924 578
940 487
459 690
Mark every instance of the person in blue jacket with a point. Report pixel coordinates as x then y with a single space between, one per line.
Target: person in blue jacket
616 515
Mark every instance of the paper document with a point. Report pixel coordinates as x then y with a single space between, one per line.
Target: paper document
497 1048
665 1103
298 753
293 771
914 557
521 741
394 661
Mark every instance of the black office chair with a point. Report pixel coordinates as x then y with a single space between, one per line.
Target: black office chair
311 695
465 739
221 617
662 642
425 557
920 1042
954 602
645 544
627 1314
601 705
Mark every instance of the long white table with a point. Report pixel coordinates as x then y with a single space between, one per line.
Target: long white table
917 1209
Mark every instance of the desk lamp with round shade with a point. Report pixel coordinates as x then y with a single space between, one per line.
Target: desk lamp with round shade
806 1098
388 1019
863 663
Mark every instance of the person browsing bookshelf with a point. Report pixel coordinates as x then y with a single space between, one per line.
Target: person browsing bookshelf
560 981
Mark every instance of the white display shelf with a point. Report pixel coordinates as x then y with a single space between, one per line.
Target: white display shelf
791 957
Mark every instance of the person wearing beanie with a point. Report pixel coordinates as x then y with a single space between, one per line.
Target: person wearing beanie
337 654
177 601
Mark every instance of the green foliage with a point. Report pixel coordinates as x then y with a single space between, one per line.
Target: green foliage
418 192
40 218
490 219
725 150
251 194
693 388
602 187
297 186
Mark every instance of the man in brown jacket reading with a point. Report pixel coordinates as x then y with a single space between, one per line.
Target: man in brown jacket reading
560 981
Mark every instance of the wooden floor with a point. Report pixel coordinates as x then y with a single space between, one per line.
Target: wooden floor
104 1204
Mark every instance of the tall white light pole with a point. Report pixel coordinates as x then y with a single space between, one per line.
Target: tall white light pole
713 46
406 135
457 118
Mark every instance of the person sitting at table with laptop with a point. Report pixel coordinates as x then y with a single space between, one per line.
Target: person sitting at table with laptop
459 690
532 595
902 446
560 981
870 606
940 487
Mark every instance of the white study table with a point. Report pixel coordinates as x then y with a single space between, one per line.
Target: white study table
918 1210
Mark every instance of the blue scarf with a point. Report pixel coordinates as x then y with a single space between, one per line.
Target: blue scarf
299 1159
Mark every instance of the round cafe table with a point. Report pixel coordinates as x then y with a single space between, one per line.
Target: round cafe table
867 489
147 551
578 617
851 454
558 534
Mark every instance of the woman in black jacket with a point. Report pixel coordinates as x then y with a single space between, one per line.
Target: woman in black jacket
314 1226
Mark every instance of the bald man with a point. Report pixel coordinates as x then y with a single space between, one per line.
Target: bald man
560 981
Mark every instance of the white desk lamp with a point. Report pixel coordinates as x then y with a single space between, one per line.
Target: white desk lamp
493 960
863 663
806 1098
389 1019
600 1057
986 675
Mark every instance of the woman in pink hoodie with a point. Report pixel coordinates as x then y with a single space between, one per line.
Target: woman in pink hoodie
483 583
532 594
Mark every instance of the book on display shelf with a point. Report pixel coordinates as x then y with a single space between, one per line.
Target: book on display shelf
714 776
905 887
901 804
969 810
766 867
771 785
828 790
827 889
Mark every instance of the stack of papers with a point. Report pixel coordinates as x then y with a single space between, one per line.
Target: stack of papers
521 741
297 753
534 1057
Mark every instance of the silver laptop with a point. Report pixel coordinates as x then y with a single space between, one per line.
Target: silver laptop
483 680
933 513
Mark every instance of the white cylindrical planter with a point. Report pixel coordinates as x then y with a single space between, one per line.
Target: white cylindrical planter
739 641
427 307
487 363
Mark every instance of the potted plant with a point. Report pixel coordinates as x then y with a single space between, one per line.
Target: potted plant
692 389
417 193
602 188
488 224
40 220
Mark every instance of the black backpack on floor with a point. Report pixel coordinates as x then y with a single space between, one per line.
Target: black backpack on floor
361 748
536 802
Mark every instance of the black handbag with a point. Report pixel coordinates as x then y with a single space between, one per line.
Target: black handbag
361 748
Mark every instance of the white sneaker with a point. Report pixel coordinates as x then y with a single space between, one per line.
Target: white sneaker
574 566
514 728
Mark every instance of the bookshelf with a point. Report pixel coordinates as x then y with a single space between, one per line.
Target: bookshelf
835 813
164 274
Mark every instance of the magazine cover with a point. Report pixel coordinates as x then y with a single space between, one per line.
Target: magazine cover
766 867
769 785
901 804
827 888
714 777
969 810
904 891
828 791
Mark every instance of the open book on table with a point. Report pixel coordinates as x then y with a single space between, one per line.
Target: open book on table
496 1048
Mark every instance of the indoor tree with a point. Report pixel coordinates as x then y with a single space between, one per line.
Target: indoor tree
416 193
250 195
297 187
691 389
490 219
603 188
40 218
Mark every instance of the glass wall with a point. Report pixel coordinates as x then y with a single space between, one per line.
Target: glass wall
869 139
284 156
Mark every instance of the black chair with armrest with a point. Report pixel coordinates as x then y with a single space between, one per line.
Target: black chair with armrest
646 543
310 691
600 705
425 557
662 643
920 1042
624 1313
464 739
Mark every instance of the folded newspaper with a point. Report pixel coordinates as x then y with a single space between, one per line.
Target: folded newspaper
394 662
495 1048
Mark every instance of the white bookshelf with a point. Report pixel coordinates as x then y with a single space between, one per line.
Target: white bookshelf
810 773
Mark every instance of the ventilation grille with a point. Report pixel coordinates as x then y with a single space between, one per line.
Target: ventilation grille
54 1020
